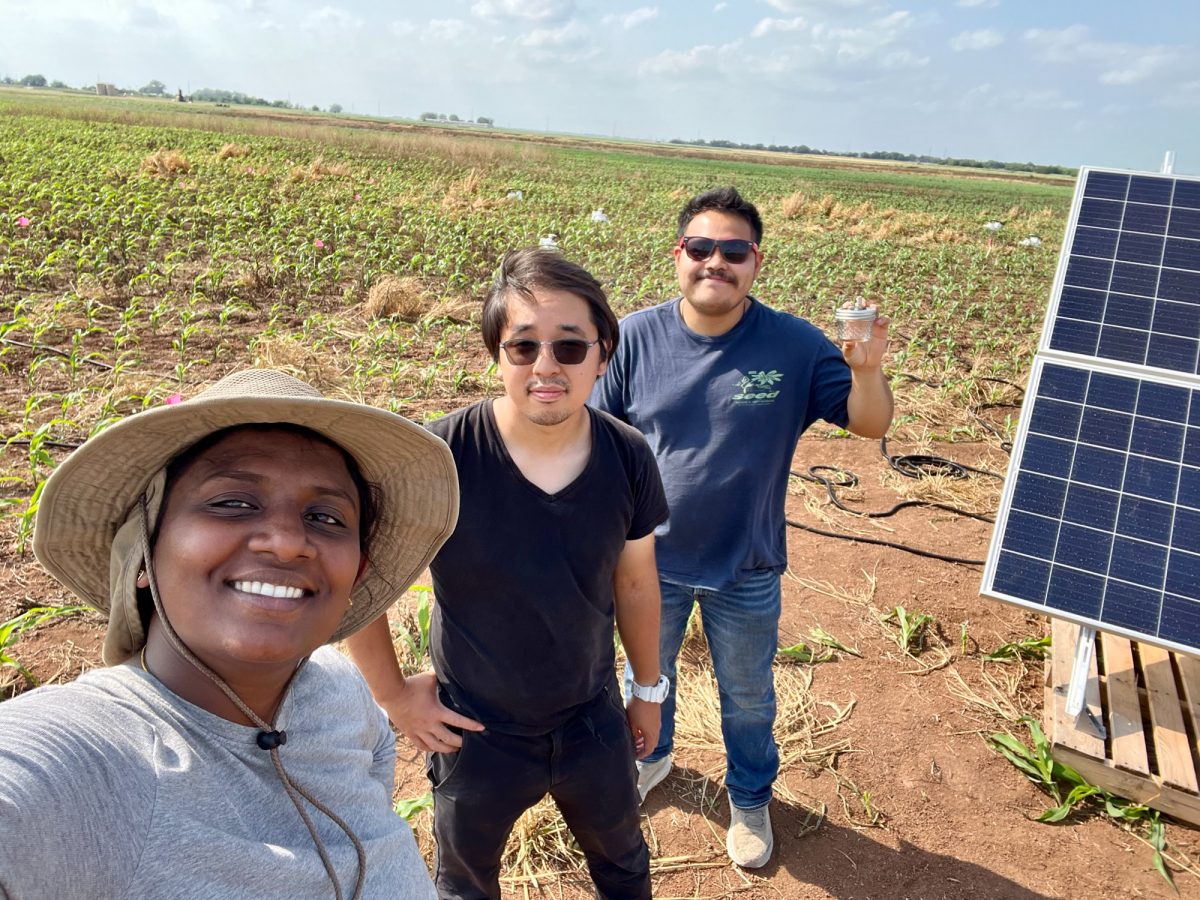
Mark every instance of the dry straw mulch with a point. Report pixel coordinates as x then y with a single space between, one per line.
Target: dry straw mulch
166 164
406 298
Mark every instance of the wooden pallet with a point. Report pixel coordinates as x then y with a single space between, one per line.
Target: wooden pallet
1149 702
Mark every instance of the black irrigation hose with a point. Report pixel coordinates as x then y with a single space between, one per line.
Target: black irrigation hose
916 465
881 543
910 466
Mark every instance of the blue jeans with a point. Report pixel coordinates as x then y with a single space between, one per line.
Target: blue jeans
741 624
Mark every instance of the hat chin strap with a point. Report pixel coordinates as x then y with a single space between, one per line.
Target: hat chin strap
268 737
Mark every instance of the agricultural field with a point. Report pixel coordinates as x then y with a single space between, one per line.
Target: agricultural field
146 250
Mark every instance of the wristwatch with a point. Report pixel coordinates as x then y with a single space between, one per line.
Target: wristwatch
655 693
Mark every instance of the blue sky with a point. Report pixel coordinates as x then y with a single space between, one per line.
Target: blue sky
1069 83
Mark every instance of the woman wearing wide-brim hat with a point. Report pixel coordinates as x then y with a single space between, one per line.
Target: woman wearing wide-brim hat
224 752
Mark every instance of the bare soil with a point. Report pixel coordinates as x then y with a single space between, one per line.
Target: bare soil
944 817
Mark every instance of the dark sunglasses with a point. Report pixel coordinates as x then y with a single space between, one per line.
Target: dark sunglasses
567 351
734 250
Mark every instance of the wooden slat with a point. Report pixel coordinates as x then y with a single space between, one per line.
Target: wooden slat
1064 728
1171 744
1138 788
1189 672
1124 710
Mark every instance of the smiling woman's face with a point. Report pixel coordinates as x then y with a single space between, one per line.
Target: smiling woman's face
257 548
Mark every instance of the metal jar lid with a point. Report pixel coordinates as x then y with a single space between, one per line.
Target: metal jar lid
853 315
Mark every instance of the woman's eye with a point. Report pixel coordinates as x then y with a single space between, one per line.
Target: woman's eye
326 518
232 503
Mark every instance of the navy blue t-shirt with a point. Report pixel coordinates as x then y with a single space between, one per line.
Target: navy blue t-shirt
522 629
722 415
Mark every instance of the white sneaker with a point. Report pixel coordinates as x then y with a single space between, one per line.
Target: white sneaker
750 841
651 773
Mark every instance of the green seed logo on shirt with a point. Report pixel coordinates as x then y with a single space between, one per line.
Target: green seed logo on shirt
755 387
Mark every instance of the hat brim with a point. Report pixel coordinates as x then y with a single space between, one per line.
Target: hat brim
89 495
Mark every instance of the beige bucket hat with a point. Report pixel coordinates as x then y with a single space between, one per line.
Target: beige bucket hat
87 533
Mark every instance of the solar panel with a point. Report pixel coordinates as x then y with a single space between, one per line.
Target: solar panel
1099 522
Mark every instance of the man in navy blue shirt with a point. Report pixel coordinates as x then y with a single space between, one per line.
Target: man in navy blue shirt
722 387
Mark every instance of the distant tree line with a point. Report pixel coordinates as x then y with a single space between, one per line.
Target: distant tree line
888 154
442 117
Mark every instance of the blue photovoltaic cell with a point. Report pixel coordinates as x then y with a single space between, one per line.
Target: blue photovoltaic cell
1101 520
1112 185
1135 248
1187 194
1146 189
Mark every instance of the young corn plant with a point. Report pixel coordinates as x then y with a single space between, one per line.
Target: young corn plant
413 640
1026 648
11 630
1068 789
803 654
909 629
408 808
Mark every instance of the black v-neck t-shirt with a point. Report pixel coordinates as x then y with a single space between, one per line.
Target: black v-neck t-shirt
522 630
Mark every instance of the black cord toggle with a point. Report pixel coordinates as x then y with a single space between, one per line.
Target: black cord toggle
269 740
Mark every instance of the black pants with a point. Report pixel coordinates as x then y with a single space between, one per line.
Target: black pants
586 765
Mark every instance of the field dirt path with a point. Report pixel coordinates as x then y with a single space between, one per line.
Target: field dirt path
951 818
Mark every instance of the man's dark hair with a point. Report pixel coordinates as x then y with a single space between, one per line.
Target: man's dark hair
522 272
724 199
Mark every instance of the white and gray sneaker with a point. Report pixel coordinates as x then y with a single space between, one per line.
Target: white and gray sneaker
750 840
651 773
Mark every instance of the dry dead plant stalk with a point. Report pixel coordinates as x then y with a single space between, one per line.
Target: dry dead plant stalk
300 359
396 295
979 495
166 164
233 151
862 596
794 205
803 726
317 170
998 697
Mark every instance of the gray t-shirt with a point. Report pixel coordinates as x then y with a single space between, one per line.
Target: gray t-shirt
112 786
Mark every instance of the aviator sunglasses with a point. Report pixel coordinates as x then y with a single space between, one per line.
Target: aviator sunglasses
735 250
567 351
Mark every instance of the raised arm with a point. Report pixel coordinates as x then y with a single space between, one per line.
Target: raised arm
869 406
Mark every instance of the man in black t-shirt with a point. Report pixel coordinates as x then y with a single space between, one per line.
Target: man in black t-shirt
554 543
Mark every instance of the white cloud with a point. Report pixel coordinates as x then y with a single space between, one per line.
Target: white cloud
1141 67
675 62
1119 63
331 18
536 10
766 26
986 96
1062 45
856 44
981 39
903 59
444 30
719 7
1044 99
552 37
795 6
979 4
402 28
632 19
